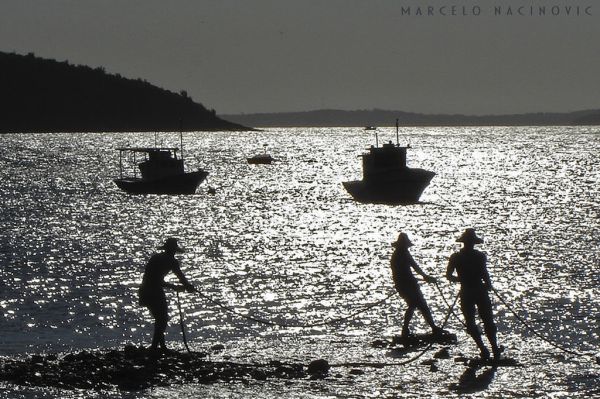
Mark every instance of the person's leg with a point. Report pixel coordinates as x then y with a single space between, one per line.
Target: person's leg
421 304
160 313
160 326
407 317
415 298
426 312
484 307
468 309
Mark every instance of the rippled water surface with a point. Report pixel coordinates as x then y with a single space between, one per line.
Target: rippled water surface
285 242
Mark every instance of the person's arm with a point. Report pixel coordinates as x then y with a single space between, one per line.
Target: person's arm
171 286
450 270
186 285
415 266
487 282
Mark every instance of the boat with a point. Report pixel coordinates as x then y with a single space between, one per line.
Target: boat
263 158
260 159
386 177
160 172
370 128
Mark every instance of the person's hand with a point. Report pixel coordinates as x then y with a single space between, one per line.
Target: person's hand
190 288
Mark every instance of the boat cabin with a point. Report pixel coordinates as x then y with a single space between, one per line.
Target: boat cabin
156 162
383 159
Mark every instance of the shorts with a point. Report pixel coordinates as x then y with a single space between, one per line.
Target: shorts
411 293
155 300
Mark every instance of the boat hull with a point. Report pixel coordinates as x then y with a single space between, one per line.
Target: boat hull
260 160
400 188
185 183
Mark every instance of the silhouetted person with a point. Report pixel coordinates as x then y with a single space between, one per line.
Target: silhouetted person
407 285
472 273
151 290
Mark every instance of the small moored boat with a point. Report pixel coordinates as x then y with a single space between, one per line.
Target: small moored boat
260 159
161 172
263 158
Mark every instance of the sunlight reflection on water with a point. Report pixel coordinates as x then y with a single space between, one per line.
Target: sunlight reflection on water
286 242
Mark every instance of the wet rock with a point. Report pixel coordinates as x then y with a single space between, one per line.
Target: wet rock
217 347
134 369
318 369
259 375
134 352
357 372
379 343
443 353
415 340
319 366
132 386
433 368
36 359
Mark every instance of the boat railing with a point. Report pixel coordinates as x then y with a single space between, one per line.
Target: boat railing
129 165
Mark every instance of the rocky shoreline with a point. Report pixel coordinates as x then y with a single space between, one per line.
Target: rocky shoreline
136 368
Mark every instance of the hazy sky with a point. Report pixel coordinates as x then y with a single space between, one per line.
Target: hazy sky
294 55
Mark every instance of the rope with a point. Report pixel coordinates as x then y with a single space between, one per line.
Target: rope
437 285
274 323
521 320
332 321
366 308
417 356
534 332
182 324
412 359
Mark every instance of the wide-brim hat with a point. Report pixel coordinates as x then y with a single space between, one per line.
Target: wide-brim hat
171 244
469 236
403 241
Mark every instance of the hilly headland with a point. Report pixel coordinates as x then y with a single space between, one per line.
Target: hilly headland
378 117
43 95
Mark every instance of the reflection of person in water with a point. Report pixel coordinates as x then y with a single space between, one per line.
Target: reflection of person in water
472 273
407 285
151 290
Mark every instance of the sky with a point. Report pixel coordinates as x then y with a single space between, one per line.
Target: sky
246 56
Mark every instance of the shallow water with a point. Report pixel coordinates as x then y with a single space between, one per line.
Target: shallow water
285 242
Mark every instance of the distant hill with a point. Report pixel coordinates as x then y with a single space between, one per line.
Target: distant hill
376 117
42 95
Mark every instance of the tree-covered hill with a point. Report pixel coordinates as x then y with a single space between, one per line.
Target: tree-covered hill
42 95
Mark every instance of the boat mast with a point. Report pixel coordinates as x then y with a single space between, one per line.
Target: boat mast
181 138
181 144
397 139
121 163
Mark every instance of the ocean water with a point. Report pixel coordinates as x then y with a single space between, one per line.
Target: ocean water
285 242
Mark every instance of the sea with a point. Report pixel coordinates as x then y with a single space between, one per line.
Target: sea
286 243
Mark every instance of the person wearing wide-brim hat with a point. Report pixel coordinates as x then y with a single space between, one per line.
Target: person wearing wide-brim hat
151 292
474 279
407 285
